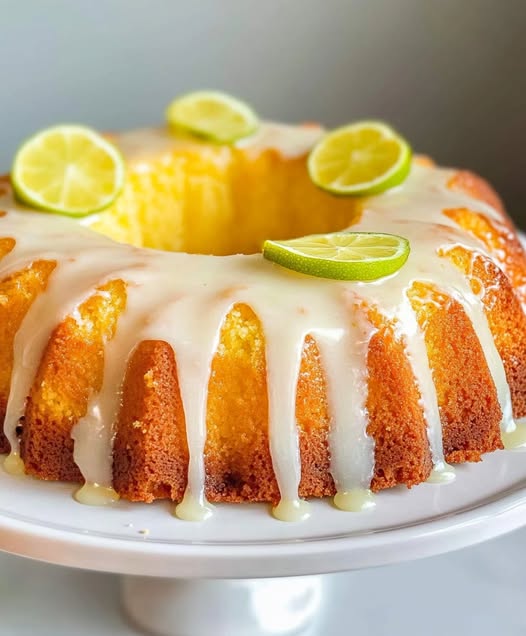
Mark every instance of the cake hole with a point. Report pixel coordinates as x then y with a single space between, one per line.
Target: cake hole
219 200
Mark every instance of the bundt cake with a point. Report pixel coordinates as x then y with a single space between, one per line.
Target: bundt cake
199 367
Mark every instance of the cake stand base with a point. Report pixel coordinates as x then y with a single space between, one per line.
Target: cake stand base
237 607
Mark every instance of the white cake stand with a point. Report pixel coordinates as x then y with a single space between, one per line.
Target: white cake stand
221 576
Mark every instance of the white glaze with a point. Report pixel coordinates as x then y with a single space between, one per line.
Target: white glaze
96 495
183 299
355 500
290 141
516 438
14 465
352 450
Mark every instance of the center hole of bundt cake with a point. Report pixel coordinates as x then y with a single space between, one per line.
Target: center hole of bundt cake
221 201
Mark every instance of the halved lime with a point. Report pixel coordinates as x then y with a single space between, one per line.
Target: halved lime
359 256
360 159
68 169
213 115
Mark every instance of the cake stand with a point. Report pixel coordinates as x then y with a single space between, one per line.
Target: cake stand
243 572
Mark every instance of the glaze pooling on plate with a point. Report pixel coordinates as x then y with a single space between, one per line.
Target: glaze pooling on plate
187 311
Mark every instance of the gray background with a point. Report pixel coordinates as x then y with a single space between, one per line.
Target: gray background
451 74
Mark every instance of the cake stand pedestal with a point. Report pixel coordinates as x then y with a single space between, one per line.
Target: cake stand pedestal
254 607
242 572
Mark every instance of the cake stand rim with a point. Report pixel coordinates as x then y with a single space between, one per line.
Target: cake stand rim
491 518
256 560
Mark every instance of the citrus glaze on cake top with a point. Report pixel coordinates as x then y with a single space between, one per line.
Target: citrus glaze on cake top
225 377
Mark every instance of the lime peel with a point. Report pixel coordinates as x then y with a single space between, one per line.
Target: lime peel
356 256
360 159
213 115
68 169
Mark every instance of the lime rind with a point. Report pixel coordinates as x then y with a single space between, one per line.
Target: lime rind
216 129
353 256
30 196
392 177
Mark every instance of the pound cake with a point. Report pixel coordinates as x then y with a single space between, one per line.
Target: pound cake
150 350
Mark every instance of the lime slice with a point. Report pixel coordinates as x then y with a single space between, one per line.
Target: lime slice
213 115
68 169
357 256
360 159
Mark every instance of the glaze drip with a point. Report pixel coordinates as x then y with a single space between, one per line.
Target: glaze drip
351 449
